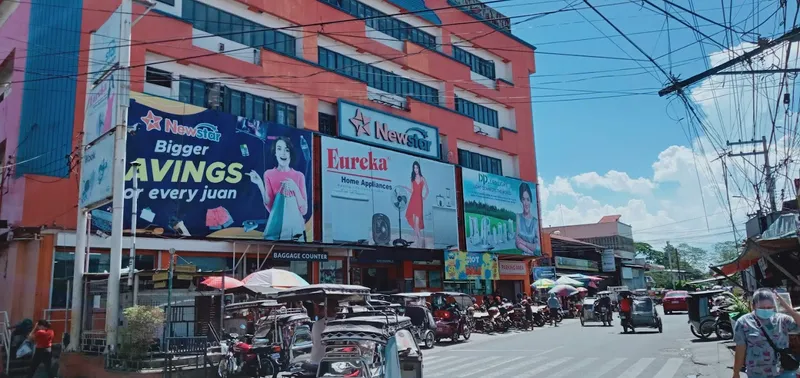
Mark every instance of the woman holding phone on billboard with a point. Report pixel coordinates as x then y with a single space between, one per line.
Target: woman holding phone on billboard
527 224
286 181
415 211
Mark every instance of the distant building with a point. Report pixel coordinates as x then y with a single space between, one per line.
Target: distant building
614 235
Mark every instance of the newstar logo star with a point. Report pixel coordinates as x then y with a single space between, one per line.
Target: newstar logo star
361 123
152 121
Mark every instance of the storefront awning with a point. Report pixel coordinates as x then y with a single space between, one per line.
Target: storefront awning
754 250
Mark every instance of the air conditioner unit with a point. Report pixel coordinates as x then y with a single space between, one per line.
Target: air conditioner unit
221 47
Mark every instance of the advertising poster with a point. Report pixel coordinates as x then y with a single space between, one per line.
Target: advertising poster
547 272
101 109
204 173
97 171
577 264
500 214
459 266
381 197
514 268
609 261
101 104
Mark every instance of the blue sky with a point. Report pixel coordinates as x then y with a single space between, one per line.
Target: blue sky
638 155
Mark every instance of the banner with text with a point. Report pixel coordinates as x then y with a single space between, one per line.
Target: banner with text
544 272
381 197
461 266
501 214
204 173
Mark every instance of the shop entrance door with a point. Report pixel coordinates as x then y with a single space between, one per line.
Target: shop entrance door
376 279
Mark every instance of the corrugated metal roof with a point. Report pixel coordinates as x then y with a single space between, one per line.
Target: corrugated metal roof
417 6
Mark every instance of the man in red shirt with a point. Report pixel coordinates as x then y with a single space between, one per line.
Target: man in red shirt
625 306
42 337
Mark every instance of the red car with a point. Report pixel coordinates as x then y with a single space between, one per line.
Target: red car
676 301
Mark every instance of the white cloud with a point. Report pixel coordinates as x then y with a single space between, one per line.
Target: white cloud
685 199
562 186
616 181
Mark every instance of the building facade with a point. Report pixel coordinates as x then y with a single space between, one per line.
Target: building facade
613 236
424 84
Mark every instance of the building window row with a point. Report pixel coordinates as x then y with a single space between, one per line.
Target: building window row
377 78
477 112
478 162
483 67
230 26
238 103
384 23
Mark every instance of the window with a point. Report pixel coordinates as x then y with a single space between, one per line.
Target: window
377 78
420 279
327 124
479 113
385 23
168 2
64 263
477 64
158 77
230 26
238 103
483 163
331 271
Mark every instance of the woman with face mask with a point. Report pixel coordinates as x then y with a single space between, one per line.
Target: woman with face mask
753 333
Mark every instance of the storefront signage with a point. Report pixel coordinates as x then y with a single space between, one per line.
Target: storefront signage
97 171
547 272
300 256
386 130
466 266
576 264
204 173
484 12
609 261
511 268
501 214
386 197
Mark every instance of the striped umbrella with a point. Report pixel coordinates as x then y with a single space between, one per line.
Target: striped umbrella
543 283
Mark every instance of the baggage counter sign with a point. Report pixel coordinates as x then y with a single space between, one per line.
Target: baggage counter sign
300 256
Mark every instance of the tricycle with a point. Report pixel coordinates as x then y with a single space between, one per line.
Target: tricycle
453 315
643 314
702 321
595 310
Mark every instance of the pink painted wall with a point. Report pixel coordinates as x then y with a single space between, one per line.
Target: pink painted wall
14 34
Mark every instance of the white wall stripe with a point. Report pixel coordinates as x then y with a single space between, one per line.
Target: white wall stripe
670 368
503 361
545 367
637 368
605 368
572 368
513 368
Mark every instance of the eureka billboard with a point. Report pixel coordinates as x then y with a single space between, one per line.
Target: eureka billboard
204 173
381 197
501 214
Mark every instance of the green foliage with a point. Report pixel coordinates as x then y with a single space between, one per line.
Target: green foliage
652 255
142 325
489 210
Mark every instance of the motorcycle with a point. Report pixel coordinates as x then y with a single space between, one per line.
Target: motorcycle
539 317
723 325
549 316
604 314
496 322
244 359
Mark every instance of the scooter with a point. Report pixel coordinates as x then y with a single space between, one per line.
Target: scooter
243 359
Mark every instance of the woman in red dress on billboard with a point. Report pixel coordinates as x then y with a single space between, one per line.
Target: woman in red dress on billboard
415 211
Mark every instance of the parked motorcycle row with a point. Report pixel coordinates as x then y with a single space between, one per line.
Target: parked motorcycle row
507 316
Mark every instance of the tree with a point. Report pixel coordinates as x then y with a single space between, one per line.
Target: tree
695 257
725 252
652 255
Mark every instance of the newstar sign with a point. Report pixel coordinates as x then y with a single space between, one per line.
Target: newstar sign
386 130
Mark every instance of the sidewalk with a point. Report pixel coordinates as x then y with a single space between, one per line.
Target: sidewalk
711 358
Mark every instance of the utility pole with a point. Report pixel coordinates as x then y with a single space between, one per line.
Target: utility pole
770 181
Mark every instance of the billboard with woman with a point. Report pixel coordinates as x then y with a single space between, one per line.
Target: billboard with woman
501 214
381 197
204 173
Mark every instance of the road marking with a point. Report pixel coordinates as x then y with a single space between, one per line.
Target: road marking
500 350
575 367
544 367
605 368
637 368
512 368
670 368
490 367
439 370
440 359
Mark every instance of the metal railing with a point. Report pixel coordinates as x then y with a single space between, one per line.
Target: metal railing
5 337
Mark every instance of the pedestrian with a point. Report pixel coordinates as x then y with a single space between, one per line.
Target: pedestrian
555 306
42 337
762 338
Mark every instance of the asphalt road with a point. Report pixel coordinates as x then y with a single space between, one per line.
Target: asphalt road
573 351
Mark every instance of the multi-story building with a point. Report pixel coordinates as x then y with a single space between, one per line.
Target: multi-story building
612 235
311 65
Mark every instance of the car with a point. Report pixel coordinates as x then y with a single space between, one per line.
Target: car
676 301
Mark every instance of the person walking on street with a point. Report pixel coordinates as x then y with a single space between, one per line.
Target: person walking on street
762 338
555 306
42 337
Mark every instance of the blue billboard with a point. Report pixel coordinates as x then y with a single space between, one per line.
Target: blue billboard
207 174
